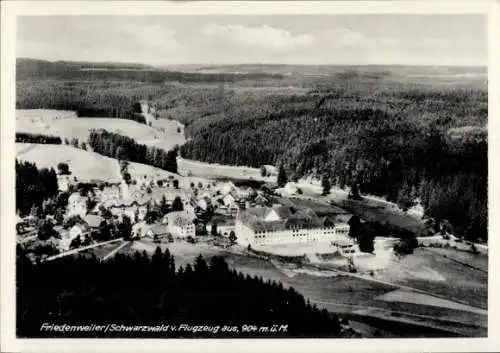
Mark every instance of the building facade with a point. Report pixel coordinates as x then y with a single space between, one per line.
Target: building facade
180 224
263 226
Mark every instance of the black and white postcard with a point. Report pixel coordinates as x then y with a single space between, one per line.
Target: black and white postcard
257 173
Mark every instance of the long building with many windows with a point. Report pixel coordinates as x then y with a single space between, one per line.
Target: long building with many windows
261 226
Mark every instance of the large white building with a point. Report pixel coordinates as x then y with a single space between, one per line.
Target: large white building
261 226
77 205
180 223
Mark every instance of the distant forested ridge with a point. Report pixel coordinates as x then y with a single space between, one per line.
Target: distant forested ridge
64 70
140 290
25 137
125 148
398 144
33 185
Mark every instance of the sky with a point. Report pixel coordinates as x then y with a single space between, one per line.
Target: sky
270 39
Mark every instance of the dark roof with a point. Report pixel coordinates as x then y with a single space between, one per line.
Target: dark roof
282 211
290 219
159 229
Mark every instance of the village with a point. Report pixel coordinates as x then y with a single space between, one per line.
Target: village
180 209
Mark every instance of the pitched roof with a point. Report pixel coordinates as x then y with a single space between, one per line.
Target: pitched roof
290 218
158 229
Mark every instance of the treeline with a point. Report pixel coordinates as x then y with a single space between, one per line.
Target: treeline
61 70
33 186
125 148
394 145
132 113
25 137
140 290
88 99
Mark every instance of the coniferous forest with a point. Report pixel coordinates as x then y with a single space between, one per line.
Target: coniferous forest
33 185
150 291
125 148
381 130
37 138
427 143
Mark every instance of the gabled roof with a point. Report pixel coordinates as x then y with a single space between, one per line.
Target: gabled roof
290 219
82 226
158 229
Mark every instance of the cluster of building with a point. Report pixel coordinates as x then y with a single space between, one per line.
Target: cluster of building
262 227
243 210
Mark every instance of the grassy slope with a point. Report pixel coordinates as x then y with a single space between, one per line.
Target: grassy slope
85 165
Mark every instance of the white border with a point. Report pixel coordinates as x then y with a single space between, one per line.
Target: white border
10 9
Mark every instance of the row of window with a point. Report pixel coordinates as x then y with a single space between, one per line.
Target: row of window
340 231
330 230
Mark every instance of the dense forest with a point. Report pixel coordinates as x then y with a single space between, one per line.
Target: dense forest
37 138
429 144
125 148
33 186
85 98
140 290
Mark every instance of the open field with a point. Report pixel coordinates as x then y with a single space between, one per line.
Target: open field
211 170
339 293
383 212
65 124
84 165
479 262
436 274
405 296
87 165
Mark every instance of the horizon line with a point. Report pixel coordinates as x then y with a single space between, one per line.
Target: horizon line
253 63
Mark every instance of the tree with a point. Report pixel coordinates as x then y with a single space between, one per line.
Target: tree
163 205
213 231
59 216
263 171
91 203
325 183
84 146
74 142
125 228
159 183
354 193
75 243
365 242
354 227
282 177
105 213
177 205
406 245
151 217
127 178
63 169
176 183
232 237
104 231
45 230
